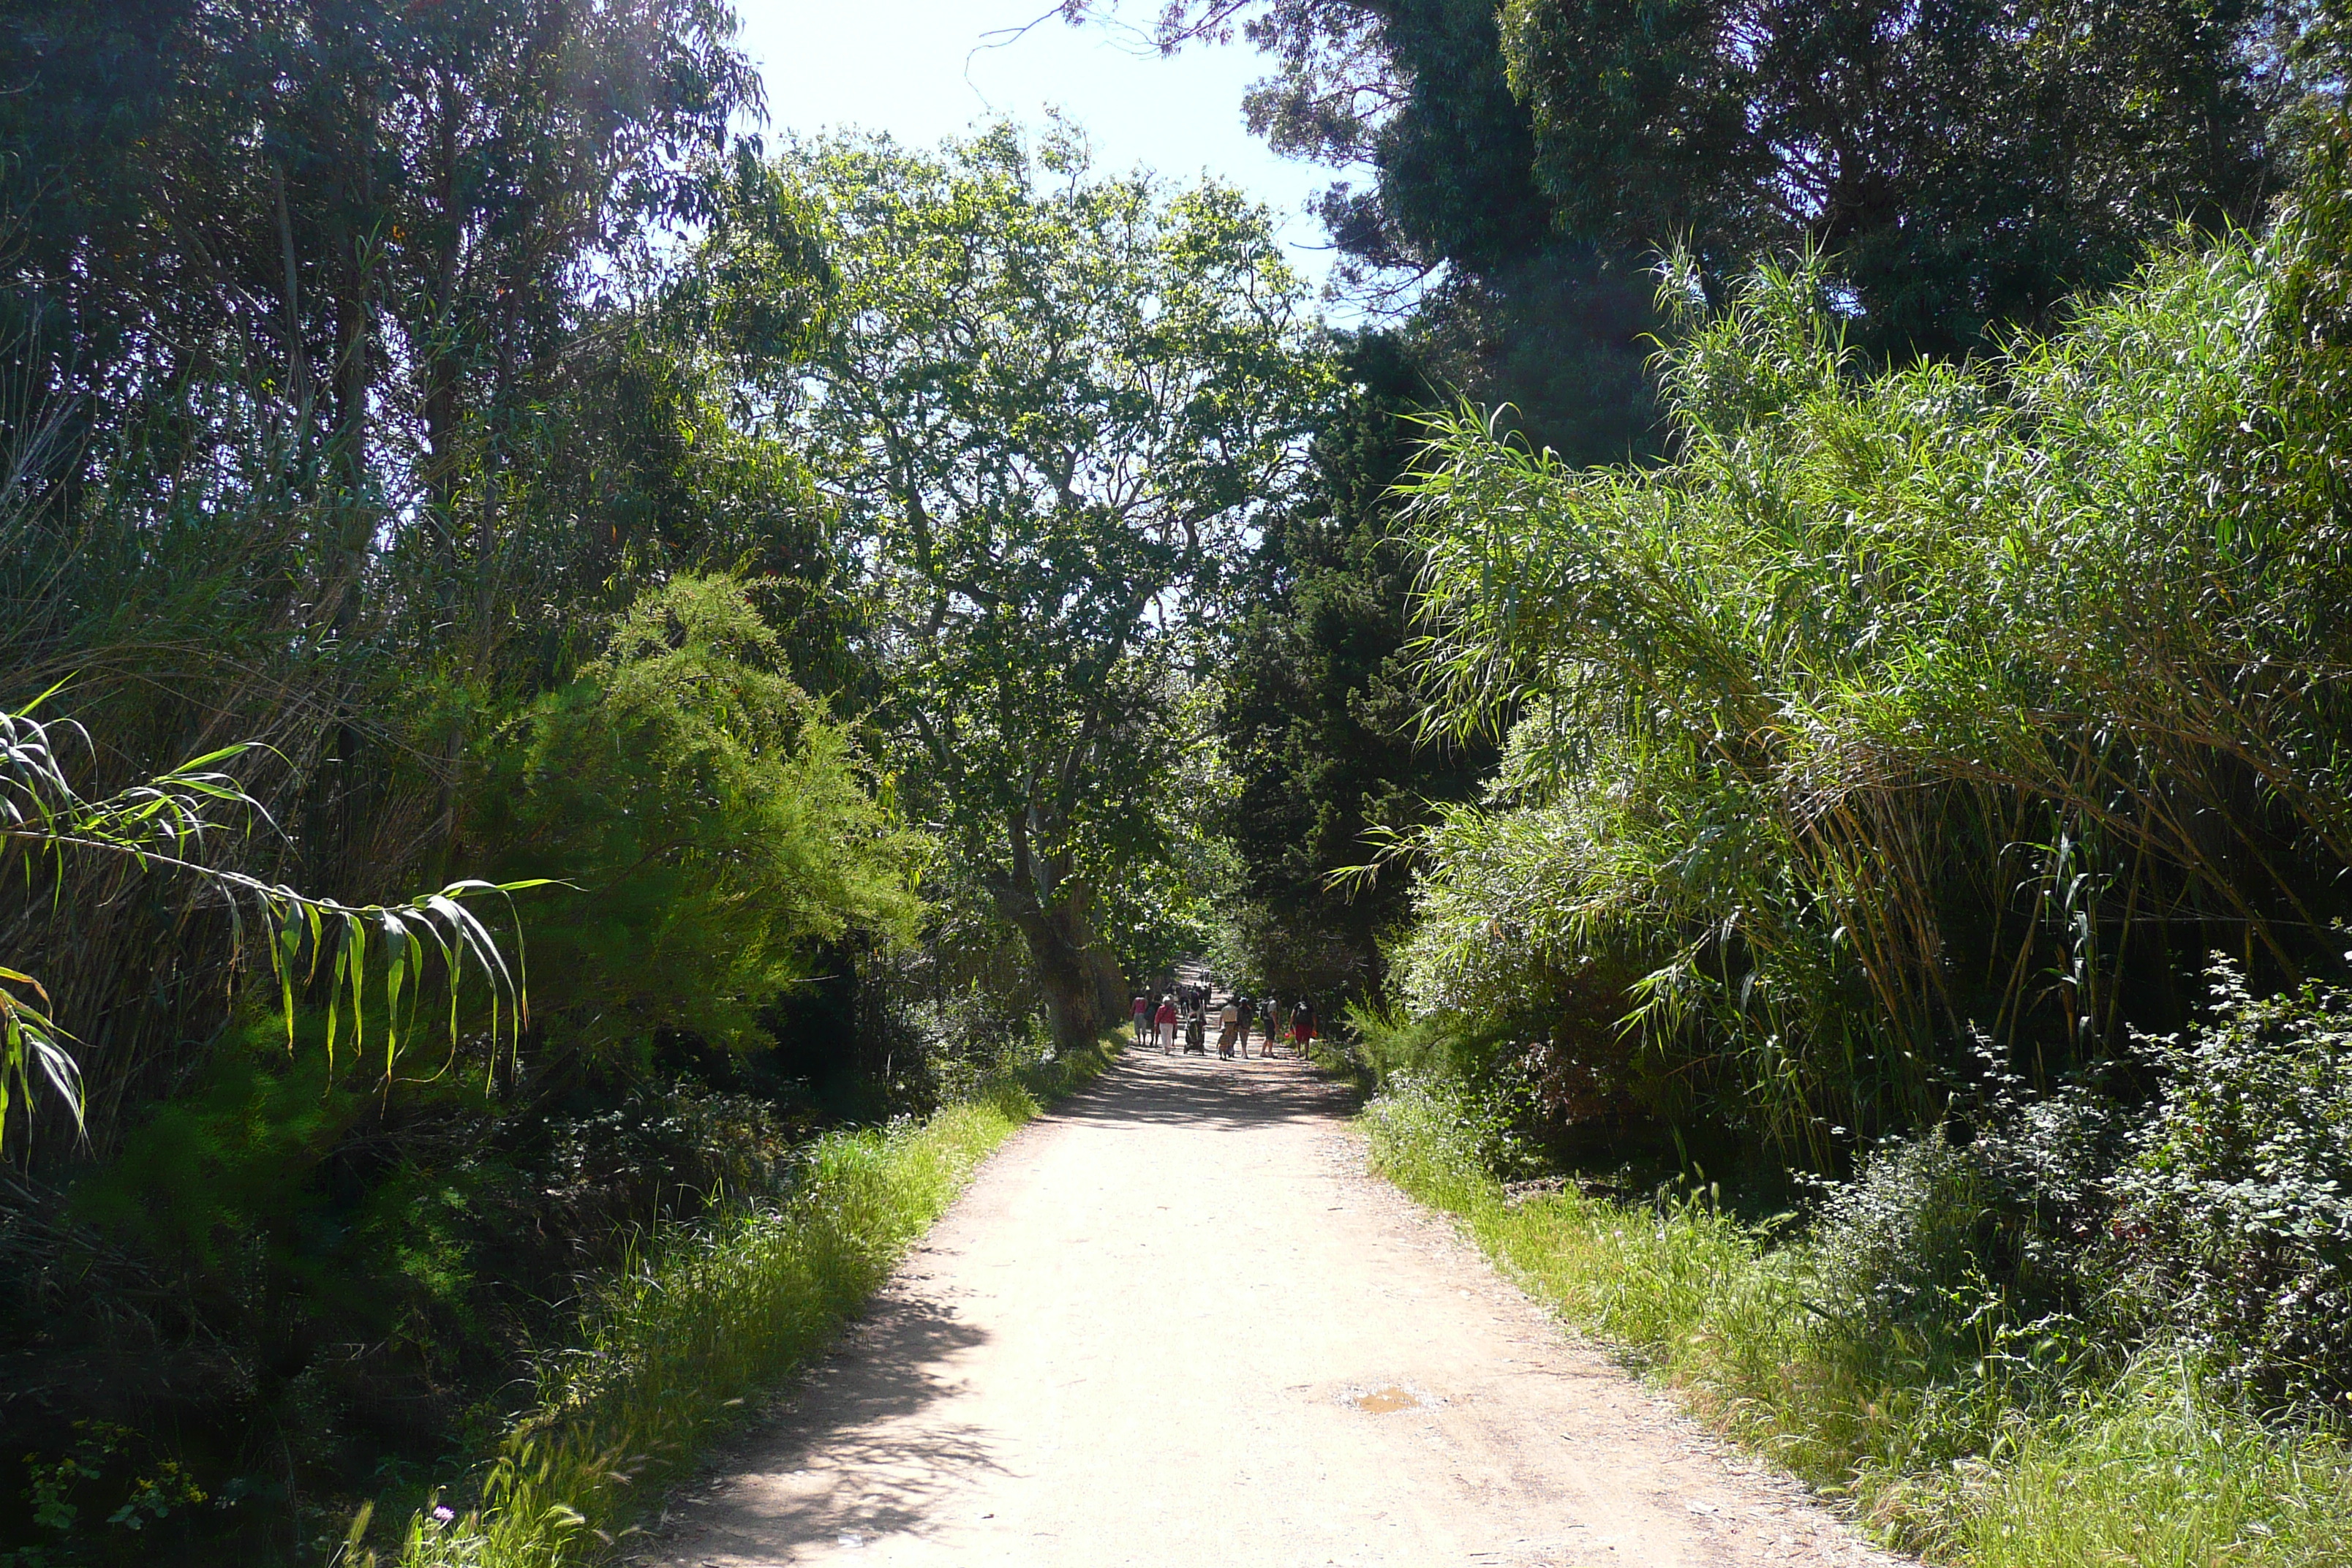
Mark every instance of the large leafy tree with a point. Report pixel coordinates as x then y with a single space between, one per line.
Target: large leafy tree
1050 406
1436 215
297 304
1972 163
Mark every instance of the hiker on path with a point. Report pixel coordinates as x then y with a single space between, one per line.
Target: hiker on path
1247 1007
1196 1030
1166 1019
1142 1011
1302 1028
1229 1019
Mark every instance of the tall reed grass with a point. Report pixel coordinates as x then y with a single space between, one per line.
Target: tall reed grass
1999 1459
671 1348
1904 708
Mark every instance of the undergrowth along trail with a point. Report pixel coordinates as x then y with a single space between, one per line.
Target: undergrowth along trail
1999 1457
671 1349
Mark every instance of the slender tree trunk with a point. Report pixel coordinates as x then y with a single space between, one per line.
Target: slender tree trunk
354 384
298 375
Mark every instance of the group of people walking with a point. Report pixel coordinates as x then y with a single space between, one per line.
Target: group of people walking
1188 1007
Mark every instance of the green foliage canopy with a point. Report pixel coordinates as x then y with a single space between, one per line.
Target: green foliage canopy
1049 405
353 234
1970 165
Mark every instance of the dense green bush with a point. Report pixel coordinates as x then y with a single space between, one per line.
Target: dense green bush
2001 1215
1393 1045
667 1152
1901 1242
714 823
279 1261
2234 1211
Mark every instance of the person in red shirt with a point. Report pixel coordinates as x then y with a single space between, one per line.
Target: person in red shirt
1166 1019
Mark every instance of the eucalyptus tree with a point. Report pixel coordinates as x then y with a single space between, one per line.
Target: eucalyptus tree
365 225
1050 406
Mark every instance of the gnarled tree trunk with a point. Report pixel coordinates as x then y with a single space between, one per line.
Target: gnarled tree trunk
1053 909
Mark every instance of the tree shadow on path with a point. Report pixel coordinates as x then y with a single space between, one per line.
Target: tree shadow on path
1148 1089
842 1462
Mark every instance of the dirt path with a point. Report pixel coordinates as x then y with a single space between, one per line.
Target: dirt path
1175 1322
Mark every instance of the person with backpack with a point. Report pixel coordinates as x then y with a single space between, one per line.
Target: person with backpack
1247 1007
1302 1028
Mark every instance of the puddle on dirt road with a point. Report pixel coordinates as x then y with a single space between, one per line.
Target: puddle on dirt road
1386 1401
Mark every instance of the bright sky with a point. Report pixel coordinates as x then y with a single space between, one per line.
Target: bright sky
909 67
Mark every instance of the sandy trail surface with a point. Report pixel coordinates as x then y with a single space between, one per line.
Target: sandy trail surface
1176 1322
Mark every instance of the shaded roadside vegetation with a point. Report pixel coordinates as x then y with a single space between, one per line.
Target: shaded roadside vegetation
1882 1357
669 1348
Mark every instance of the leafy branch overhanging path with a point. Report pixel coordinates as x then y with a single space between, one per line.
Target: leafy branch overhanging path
1176 1323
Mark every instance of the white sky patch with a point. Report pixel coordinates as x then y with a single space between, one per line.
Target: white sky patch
922 70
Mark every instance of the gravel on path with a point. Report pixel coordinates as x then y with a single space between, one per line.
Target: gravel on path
1175 1322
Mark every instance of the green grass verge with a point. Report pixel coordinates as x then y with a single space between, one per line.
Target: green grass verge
1999 1462
671 1350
